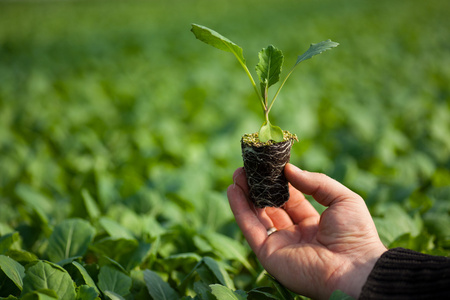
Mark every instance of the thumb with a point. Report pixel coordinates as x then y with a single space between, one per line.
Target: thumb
324 189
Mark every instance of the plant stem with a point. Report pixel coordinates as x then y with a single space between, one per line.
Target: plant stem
266 96
260 97
279 89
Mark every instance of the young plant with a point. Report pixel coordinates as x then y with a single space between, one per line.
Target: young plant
267 152
268 70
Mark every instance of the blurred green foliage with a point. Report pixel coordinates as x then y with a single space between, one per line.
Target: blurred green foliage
112 112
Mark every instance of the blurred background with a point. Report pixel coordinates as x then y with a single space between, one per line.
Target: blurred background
116 101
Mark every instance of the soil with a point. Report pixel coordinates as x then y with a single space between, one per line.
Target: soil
264 166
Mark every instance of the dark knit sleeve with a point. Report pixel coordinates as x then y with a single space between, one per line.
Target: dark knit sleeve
405 274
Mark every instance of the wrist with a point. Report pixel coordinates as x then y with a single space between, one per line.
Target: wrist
355 273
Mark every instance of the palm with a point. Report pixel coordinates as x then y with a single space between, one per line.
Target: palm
309 250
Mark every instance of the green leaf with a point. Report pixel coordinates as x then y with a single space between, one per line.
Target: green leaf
106 189
340 295
87 293
70 238
46 275
118 249
43 294
219 272
34 199
260 294
269 132
421 243
21 256
4 229
229 249
91 206
205 274
13 270
111 279
10 297
269 67
69 260
115 230
283 291
86 277
113 296
203 291
224 293
8 241
217 40
210 271
142 253
315 49
183 259
396 222
158 288
105 260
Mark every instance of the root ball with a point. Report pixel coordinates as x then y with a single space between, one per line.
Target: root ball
264 167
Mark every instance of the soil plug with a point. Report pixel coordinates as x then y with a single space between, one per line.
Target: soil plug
264 166
266 152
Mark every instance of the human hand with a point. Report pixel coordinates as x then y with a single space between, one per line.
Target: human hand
310 254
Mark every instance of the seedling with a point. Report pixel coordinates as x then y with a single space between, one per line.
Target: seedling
268 70
265 153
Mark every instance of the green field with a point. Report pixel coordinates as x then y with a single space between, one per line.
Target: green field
120 132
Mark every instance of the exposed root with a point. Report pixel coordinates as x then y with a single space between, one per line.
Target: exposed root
264 166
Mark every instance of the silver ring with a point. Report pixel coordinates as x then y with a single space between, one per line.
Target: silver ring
271 230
